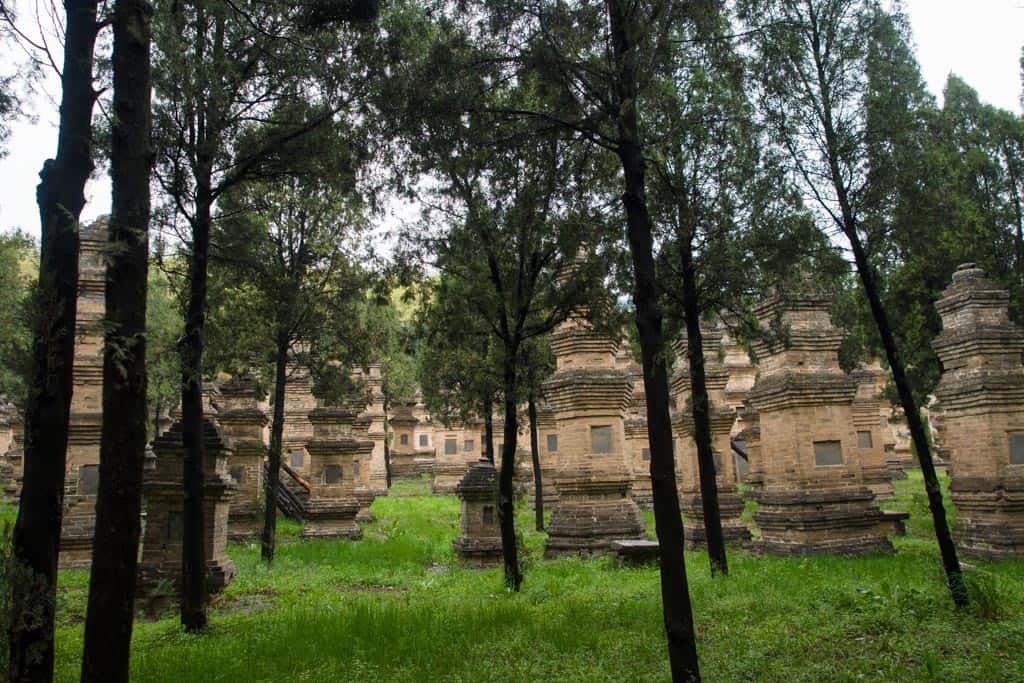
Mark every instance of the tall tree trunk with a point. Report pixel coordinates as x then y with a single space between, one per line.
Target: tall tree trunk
108 623
269 538
488 445
193 556
701 413
675 591
506 507
538 485
950 561
60 196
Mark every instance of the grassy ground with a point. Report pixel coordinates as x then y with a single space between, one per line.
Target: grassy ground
396 606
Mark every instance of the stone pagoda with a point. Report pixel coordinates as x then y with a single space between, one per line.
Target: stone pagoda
872 429
423 434
81 479
589 396
479 543
637 445
165 499
812 497
403 449
362 467
332 506
298 403
376 432
721 418
982 393
244 422
452 460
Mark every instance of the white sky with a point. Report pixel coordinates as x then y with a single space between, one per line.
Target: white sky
979 40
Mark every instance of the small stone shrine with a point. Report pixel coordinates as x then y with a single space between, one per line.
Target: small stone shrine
589 396
721 418
982 393
81 478
812 497
162 486
479 543
332 506
244 422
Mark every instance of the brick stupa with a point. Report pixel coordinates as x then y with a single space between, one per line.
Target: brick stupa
244 421
982 393
589 396
721 418
812 497
332 506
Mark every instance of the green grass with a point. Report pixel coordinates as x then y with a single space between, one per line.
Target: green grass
396 606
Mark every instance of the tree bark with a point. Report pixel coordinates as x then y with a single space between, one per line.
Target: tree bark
269 537
111 608
60 196
538 485
506 507
701 408
193 556
675 592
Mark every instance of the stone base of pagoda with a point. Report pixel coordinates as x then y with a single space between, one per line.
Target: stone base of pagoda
365 498
160 577
446 477
424 464
641 492
332 518
730 508
590 514
843 521
78 527
990 517
480 552
245 521
404 467
879 481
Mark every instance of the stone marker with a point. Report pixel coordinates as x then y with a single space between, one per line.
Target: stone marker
332 506
479 543
162 485
244 421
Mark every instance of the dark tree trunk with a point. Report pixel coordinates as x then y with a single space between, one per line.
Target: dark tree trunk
60 196
269 538
108 623
387 446
701 414
538 485
193 556
488 445
950 561
675 592
506 507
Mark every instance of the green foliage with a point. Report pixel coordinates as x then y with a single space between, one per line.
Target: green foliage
18 257
163 328
23 595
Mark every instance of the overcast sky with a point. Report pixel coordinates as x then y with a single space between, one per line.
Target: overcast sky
979 40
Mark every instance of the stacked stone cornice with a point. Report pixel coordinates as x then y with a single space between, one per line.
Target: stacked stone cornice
982 414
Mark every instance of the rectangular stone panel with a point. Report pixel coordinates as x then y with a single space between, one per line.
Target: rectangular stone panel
404 439
468 445
864 440
424 441
296 458
88 480
552 443
646 454
488 514
332 474
238 473
601 439
451 446
1017 449
828 453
